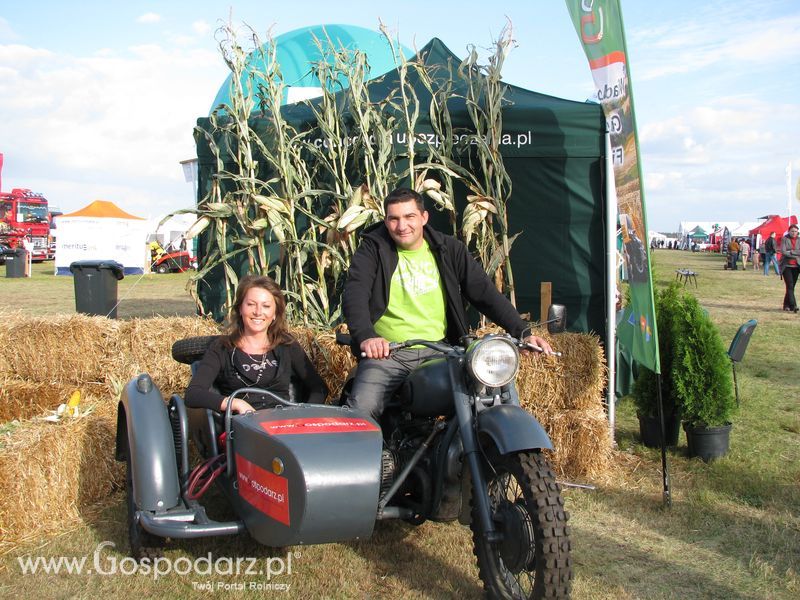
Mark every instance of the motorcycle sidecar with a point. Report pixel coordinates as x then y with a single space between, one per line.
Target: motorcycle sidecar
302 474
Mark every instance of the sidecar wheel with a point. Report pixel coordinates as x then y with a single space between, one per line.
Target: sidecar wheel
533 558
191 349
143 544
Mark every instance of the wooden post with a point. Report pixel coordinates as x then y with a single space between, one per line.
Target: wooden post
546 299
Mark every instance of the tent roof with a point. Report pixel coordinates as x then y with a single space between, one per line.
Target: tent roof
774 223
534 124
102 209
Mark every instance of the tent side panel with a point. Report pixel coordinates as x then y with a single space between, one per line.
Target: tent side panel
557 205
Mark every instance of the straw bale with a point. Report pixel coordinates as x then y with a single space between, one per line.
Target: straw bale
574 380
145 346
581 441
22 399
51 474
332 361
62 349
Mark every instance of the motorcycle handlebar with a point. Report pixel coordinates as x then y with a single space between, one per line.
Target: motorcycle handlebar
345 339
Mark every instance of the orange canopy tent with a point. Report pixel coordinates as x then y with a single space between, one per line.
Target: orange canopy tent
102 209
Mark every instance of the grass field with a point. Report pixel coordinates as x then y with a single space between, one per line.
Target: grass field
138 295
733 530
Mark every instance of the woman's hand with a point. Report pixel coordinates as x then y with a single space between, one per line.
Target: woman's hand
239 406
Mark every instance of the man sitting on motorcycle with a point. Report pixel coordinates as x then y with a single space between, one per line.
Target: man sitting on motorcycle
409 281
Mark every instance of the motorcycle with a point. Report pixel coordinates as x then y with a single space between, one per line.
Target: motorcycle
453 444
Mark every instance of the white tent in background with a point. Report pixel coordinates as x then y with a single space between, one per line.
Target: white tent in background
744 229
101 231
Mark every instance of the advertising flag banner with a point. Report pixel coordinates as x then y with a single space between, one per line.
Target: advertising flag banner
600 29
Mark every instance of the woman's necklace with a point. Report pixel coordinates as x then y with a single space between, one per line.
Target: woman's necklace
254 364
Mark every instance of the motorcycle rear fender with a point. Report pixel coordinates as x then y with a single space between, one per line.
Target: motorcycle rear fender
143 426
511 429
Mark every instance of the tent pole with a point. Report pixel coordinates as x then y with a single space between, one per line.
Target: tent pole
611 287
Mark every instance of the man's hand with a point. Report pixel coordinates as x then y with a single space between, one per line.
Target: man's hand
375 348
539 342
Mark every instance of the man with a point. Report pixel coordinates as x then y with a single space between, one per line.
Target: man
733 252
770 249
409 281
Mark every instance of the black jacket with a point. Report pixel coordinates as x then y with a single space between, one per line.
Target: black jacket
366 292
216 369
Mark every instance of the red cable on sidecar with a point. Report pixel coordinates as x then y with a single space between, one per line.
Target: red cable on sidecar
204 476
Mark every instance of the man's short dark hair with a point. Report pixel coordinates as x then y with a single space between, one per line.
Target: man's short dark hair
404 195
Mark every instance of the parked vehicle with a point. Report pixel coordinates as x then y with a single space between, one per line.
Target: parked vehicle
172 262
453 445
24 214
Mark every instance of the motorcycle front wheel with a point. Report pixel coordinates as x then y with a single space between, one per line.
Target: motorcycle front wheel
532 559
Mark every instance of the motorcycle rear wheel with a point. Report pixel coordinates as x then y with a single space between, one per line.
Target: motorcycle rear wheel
533 558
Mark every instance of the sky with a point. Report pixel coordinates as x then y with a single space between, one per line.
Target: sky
98 100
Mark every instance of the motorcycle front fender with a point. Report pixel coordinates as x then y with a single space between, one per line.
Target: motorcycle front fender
511 429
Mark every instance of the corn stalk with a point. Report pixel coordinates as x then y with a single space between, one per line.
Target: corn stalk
484 97
292 202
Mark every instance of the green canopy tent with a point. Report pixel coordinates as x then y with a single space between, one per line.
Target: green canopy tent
698 233
553 150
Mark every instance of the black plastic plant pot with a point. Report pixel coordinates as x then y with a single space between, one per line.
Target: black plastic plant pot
650 430
707 443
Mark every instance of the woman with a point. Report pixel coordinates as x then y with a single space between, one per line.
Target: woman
790 254
256 350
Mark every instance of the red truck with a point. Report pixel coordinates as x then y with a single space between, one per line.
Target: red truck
24 214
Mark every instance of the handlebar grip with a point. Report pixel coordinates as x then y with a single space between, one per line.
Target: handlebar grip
392 347
538 349
343 339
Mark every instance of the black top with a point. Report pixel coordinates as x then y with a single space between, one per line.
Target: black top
366 293
228 369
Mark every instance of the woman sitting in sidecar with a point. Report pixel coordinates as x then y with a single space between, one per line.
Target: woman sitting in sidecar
255 351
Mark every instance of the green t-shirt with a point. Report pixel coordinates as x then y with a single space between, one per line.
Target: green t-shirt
416 308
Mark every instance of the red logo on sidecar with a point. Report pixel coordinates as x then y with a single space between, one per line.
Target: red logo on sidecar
318 425
267 492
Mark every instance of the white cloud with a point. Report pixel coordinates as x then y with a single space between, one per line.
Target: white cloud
148 18
201 27
685 47
722 161
105 126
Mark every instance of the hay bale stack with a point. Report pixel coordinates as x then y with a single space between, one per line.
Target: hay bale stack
65 349
54 474
145 346
566 396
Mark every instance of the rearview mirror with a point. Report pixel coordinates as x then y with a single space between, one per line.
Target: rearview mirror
556 318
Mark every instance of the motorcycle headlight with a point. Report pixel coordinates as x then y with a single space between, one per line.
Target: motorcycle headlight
494 361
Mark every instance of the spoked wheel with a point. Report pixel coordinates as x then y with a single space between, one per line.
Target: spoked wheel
143 544
532 560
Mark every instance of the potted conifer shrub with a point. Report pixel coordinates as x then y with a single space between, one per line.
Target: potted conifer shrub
701 380
645 391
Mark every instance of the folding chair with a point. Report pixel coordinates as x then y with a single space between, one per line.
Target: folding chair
738 347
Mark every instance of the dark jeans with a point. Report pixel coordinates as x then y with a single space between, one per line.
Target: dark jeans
377 379
790 279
